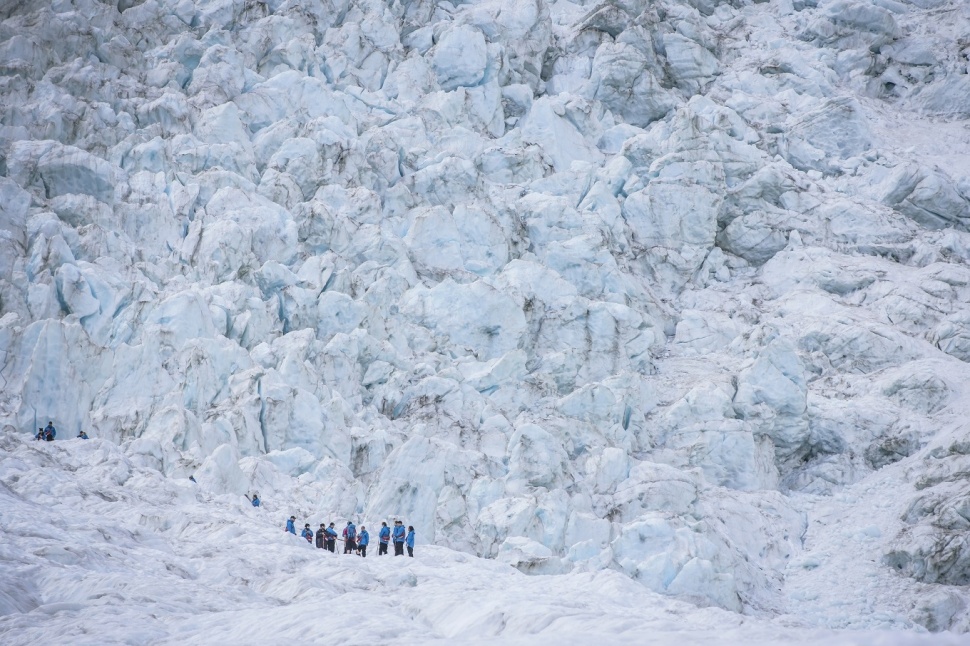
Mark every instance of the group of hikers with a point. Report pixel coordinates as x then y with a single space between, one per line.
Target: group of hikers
49 433
326 537
355 542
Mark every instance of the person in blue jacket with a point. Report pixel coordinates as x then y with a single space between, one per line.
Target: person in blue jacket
362 541
307 533
82 435
410 541
255 500
291 525
398 536
331 538
50 432
384 537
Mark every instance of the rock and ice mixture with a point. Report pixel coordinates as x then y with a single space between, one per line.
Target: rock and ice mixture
678 289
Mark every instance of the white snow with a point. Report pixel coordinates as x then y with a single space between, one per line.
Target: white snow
98 550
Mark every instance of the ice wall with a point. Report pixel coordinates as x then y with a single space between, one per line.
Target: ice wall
575 285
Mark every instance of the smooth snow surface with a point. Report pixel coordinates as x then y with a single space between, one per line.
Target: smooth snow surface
666 303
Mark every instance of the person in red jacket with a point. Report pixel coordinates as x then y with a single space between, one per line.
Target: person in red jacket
350 538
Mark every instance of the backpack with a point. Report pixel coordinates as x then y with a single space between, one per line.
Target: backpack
351 532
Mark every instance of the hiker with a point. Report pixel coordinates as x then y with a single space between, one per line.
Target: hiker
362 543
350 538
384 537
255 499
307 533
331 538
40 434
322 536
50 432
410 541
291 525
82 435
398 536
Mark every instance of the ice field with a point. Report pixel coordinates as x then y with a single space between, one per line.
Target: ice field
651 316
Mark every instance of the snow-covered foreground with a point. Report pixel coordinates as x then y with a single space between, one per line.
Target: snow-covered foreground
97 551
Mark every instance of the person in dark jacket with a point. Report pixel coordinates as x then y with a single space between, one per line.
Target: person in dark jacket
40 434
384 537
398 535
332 538
363 541
82 435
409 540
307 533
322 536
291 525
350 538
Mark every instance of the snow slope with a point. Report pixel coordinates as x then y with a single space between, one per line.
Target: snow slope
100 551
674 291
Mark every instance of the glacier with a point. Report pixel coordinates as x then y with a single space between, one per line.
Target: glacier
665 303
